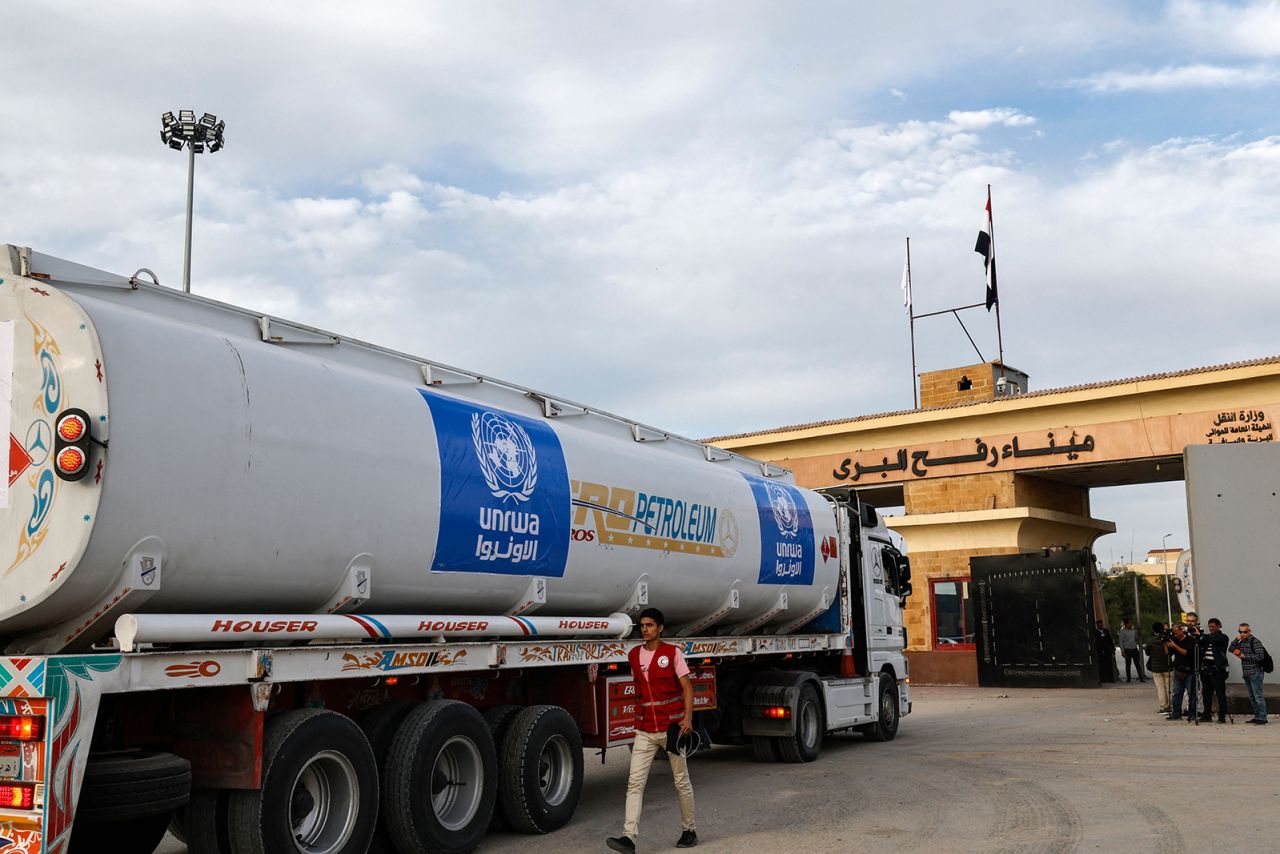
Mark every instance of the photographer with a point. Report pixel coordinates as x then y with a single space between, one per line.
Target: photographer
1159 665
1213 670
1181 647
1251 653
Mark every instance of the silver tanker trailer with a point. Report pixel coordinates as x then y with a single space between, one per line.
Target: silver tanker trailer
261 581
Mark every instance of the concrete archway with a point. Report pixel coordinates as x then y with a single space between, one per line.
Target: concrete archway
985 467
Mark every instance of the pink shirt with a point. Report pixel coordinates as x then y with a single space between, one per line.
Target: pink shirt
681 666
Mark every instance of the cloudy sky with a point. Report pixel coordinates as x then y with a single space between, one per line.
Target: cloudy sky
689 213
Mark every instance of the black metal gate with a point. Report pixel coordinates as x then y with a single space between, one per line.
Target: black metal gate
1035 620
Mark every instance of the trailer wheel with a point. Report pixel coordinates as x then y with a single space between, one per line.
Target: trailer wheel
541 764
806 743
140 835
765 748
886 727
441 780
499 720
204 822
380 726
319 790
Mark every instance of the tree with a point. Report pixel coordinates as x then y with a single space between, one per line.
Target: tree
1117 596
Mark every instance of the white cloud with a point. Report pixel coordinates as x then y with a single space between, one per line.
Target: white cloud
1249 28
1172 78
982 119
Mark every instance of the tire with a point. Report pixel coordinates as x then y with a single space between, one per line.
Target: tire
441 780
499 719
132 784
140 835
806 743
541 770
319 790
204 822
886 727
379 727
765 748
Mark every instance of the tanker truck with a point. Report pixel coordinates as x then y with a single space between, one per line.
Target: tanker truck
278 590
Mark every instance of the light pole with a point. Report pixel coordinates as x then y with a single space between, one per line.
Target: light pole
1168 602
197 137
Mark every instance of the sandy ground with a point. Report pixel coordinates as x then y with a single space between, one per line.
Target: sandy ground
990 770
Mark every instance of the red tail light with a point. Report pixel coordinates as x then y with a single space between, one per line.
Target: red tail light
20 796
21 727
71 445
71 460
71 428
777 712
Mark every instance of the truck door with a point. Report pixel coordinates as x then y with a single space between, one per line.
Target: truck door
884 612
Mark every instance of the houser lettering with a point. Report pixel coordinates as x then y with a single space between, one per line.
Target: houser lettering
264 626
453 626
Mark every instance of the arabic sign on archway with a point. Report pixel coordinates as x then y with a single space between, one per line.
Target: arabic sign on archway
1142 438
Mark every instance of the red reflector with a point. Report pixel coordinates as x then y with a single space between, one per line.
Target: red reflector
70 460
17 795
777 712
72 427
21 727
391 680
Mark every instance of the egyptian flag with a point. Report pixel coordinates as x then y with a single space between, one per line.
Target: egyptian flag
986 247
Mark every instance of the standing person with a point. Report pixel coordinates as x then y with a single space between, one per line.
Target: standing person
1251 652
664 697
1213 670
1181 647
1106 654
1158 661
1129 649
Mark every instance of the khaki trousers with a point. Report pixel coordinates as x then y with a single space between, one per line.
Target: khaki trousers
1163 692
642 753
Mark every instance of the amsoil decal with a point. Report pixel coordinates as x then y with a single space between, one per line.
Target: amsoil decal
392 659
786 532
504 491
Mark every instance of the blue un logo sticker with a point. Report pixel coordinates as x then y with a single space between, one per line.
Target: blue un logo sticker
506 456
784 510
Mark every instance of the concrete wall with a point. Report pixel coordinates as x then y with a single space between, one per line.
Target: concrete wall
1233 500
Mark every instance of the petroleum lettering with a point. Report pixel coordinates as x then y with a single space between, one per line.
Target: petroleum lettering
584 624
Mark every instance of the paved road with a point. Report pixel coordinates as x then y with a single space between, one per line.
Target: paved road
971 770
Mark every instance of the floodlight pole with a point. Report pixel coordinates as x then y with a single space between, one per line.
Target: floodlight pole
196 136
1164 558
191 197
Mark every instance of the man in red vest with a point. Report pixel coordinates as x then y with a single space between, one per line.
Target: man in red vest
664 696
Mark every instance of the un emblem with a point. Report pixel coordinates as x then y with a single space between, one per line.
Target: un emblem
506 456
784 510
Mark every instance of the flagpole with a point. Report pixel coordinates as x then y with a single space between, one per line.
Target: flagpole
911 314
999 333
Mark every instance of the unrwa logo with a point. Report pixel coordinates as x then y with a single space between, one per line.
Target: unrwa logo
784 510
506 456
